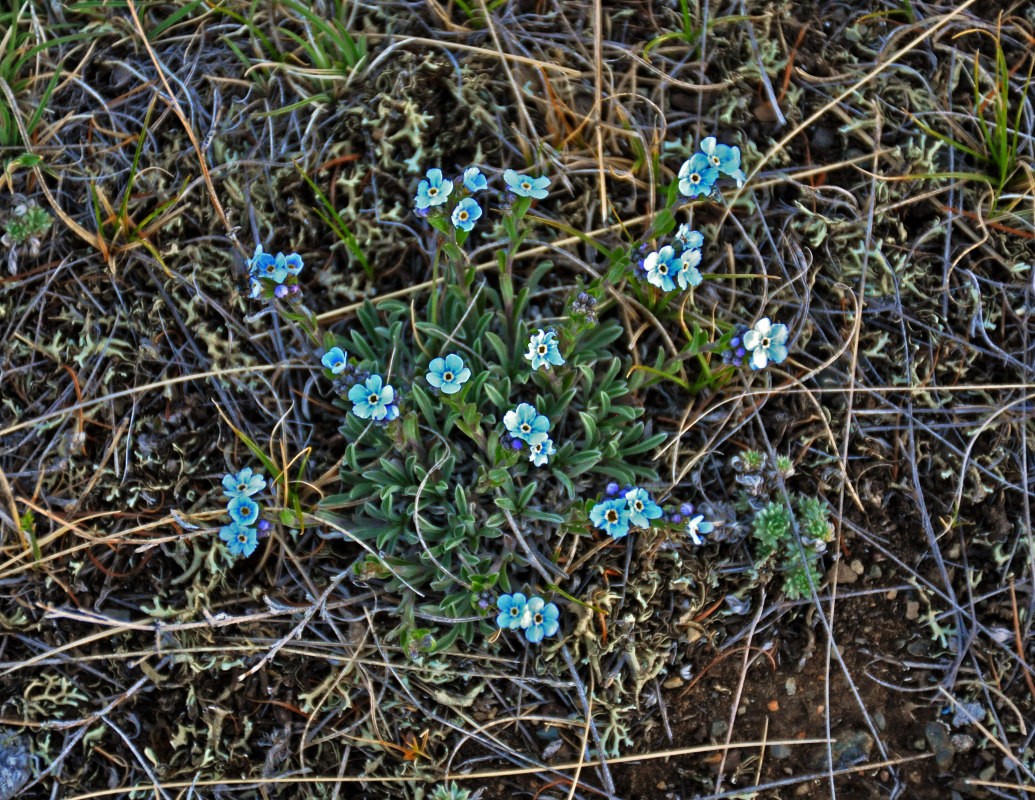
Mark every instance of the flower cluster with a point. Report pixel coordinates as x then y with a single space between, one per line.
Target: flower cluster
275 275
542 349
436 190
534 616
631 507
526 425
242 534
699 173
666 268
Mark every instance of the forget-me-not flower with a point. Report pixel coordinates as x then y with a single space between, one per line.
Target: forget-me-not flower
695 526
240 539
689 274
243 510
542 619
434 191
335 360
373 399
724 158
291 263
612 516
258 261
524 421
540 448
512 611
244 484
465 213
697 175
473 179
661 266
641 508
448 374
525 185
688 237
542 350
767 343
272 268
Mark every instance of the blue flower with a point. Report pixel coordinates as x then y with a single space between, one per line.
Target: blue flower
641 508
697 175
272 268
542 619
512 611
448 374
372 400
244 484
291 263
465 213
434 191
335 360
767 342
542 350
724 158
240 539
689 237
258 261
611 516
689 274
540 448
526 186
392 412
474 181
524 422
697 526
661 266
243 510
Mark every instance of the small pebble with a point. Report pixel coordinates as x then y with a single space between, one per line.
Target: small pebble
880 721
719 728
938 738
791 686
779 751
961 742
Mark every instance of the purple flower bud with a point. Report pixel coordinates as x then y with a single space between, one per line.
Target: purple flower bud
281 292
295 289
612 488
676 518
516 443
263 525
686 509
740 352
735 342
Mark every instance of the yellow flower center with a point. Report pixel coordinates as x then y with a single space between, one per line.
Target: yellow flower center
432 191
526 185
463 216
542 349
612 515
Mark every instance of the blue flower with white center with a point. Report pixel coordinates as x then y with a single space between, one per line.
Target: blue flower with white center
611 516
512 611
291 263
540 448
525 185
697 176
724 158
524 422
448 374
434 191
244 484
372 399
335 360
661 267
473 180
542 350
542 619
767 343
465 214
240 539
698 526
243 510
688 237
641 508
689 274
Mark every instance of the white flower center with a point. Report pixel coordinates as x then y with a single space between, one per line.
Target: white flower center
542 349
766 342
638 505
463 216
525 427
694 177
612 515
447 376
373 399
432 191
526 185
538 619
